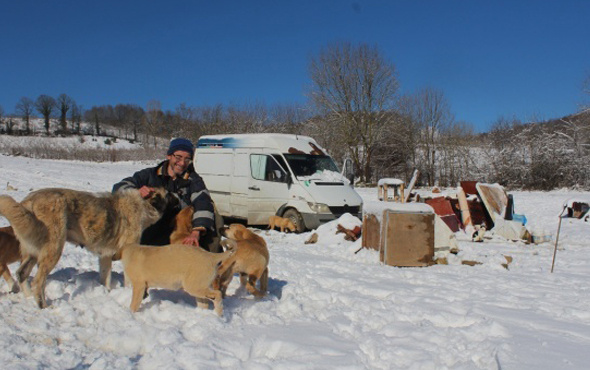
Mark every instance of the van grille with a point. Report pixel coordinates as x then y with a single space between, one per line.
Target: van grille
339 211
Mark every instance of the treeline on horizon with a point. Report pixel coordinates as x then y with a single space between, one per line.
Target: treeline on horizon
354 111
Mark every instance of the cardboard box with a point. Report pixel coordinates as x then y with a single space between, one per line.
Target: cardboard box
407 238
403 233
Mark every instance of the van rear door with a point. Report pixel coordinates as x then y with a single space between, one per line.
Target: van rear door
216 169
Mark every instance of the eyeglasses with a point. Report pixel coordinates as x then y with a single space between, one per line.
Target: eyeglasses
180 158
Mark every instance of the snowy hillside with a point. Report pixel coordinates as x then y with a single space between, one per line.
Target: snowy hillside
37 126
111 139
327 308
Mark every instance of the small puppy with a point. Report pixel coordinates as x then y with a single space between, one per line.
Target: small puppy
282 223
9 253
250 261
173 267
183 228
182 225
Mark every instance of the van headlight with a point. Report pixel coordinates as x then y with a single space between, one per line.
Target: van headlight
319 207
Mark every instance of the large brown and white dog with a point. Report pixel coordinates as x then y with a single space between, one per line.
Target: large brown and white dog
282 223
250 261
9 253
173 267
102 223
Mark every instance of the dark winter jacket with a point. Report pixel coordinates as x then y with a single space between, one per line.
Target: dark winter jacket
190 190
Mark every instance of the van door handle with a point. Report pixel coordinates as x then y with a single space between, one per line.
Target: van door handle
254 188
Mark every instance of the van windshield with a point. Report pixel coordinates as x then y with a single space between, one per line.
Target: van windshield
307 165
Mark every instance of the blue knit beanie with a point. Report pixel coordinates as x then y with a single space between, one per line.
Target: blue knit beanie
180 144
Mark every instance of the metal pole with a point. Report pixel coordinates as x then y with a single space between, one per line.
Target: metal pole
557 238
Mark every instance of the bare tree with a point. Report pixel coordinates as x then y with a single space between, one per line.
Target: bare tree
9 125
96 116
135 117
249 118
355 86
212 119
25 108
288 118
457 158
430 113
393 156
120 120
76 114
153 119
45 105
64 104
498 131
187 123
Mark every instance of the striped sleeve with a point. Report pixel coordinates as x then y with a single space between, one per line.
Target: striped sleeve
204 216
139 179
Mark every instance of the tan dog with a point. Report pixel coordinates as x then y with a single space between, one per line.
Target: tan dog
173 267
182 225
183 228
282 223
47 218
9 253
250 261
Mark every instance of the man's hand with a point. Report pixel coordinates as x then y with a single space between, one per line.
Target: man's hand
193 238
146 191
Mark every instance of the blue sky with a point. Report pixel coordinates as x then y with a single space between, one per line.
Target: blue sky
490 58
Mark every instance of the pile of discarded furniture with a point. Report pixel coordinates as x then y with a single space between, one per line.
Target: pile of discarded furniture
408 232
478 207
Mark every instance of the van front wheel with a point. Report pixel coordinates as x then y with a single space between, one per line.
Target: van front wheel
296 218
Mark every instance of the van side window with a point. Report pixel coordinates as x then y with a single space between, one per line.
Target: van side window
264 167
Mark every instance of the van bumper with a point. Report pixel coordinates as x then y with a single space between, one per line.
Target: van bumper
314 220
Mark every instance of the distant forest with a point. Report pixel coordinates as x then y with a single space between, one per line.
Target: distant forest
355 112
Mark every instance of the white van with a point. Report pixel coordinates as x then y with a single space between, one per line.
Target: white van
254 176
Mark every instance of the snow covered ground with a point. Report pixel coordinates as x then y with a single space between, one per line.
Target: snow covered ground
327 308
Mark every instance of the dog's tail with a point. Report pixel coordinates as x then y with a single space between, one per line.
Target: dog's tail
27 227
231 247
226 259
